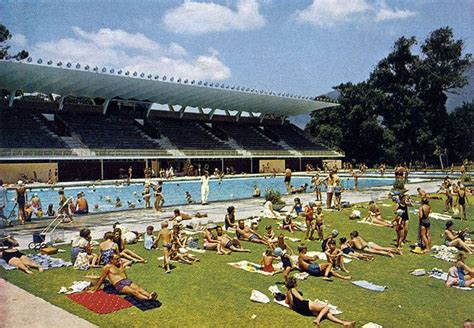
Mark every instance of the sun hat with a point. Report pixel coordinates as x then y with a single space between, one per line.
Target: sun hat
278 251
335 233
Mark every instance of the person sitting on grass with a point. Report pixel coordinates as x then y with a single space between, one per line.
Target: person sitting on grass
370 247
270 234
375 217
350 252
285 261
82 244
115 273
269 212
107 248
457 274
455 239
246 233
306 264
229 219
267 261
149 239
289 225
176 255
230 243
126 253
297 303
281 243
165 237
334 256
14 257
332 236
211 242
178 238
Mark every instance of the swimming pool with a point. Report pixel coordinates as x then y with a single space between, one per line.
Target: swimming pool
173 191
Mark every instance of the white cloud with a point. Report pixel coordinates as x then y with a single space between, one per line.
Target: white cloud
18 40
386 13
327 13
331 12
198 17
133 52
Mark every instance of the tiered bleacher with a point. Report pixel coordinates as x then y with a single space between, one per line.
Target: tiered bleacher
294 137
22 130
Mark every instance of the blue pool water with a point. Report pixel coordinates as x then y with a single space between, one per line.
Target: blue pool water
227 189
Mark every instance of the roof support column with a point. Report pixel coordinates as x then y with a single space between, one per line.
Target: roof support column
105 105
61 103
227 113
11 98
171 108
262 116
211 113
181 111
251 114
283 117
237 117
200 110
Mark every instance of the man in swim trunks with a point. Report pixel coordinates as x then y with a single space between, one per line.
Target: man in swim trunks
230 243
288 179
115 273
306 264
246 233
370 247
165 236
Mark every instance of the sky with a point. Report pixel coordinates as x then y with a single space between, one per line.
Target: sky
303 47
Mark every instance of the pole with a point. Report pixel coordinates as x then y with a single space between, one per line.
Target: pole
102 169
300 164
251 164
222 165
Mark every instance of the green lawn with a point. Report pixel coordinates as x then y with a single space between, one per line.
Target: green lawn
212 293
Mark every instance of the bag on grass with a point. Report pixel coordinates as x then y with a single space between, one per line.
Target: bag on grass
259 297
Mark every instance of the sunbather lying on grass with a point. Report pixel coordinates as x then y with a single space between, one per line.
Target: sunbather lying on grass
306 264
370 247
115 273
375 217
246 233
350 252
230 243
176 255
14 257
297 303
211 242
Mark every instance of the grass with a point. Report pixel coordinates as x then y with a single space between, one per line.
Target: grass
212 293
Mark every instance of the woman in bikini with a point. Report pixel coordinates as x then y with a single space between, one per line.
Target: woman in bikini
297 303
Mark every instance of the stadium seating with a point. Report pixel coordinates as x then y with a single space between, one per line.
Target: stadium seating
23 129
294 137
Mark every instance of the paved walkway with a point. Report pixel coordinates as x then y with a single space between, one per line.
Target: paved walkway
16 305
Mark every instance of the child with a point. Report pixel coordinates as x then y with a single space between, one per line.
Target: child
267 261
399 225
289 225
334 256
283 245
165 236
350 252
286 262
185 258
319 222
147 195
118 202
51 211
149 239
158 196
188 197
337 194
270 235
310 222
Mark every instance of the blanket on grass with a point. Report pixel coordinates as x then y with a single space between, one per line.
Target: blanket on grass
100 302
368 285
255 268
46 261
143 305
439 216
6 266
445 253
440 275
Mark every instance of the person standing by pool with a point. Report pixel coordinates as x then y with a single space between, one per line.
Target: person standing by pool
317 187
129 174
205 188
356 179
21 198
288 180
403 205
3 202
82 207
330 182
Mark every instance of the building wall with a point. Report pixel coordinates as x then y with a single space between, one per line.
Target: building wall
12 172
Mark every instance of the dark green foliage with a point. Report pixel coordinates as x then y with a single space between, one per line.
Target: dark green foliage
5 36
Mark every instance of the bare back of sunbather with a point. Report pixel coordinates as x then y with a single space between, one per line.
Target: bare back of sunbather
370 247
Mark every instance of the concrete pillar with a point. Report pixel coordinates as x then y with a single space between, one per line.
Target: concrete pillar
102 169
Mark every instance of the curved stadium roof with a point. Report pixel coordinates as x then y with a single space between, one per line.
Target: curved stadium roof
75 80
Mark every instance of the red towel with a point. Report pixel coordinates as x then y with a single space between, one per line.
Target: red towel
100 302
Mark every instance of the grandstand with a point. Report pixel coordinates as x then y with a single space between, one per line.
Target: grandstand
119 124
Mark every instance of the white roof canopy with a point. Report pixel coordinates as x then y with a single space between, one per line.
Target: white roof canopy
75 80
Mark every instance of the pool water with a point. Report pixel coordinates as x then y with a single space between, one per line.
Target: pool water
173 191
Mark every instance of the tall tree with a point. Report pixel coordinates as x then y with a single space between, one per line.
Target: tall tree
460 138
5 36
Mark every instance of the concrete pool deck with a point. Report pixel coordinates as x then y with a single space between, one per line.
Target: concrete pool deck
13 298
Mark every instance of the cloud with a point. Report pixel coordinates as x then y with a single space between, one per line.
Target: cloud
18 40
327 13
133 52
386 13
331 12
199 18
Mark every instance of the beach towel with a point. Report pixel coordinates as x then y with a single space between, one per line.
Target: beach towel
445 253
109 288
195 250
439 216
100 302
301 275
323 256
295 240
49 262
332 308
77 287
143 305
6 266
440 275
371 325
368 285
256 268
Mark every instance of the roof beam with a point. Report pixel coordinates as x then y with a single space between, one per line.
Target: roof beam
211 113
105 106
238 116
181 111
170 107
262 116
11 98
61 102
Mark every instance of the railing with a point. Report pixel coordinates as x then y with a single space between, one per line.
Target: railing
48 152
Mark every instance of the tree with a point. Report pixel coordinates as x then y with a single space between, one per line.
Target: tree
5 36
460 139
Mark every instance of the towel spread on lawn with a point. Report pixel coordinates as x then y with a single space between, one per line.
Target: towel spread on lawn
100 302
46 261
445 253
440 275
368 285
439 216
143 305
253 267
77 287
